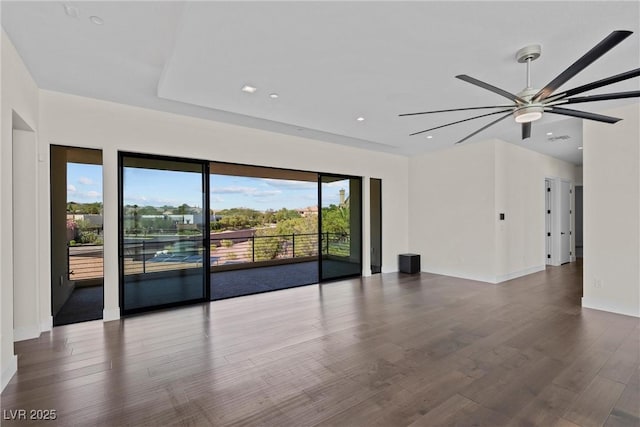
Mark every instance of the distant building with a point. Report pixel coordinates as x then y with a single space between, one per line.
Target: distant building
309 210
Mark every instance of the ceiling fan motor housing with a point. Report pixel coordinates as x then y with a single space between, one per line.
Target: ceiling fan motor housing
531 52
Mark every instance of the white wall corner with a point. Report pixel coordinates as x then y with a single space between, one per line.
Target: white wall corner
8 372
109 314
516 274
598 304
26 333
47 324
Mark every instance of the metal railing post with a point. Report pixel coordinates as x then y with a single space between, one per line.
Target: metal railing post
144 260
293 245
68 262
327 238
253 248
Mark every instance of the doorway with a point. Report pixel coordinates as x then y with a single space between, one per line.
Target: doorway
578 221
558 213
565 222
77 277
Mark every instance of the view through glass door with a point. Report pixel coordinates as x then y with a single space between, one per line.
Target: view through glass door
340 226
163 241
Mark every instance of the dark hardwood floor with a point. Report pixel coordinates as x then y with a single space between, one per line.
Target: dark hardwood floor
389 350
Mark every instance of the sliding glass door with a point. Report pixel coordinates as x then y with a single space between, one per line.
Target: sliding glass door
340 226
164 232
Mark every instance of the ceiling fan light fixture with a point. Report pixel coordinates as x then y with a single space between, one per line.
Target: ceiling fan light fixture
528 114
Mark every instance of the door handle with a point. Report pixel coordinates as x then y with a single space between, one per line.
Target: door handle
562 232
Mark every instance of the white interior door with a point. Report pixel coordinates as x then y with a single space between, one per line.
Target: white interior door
565 224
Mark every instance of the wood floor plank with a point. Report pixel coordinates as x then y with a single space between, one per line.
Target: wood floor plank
387 350
593 406
626 411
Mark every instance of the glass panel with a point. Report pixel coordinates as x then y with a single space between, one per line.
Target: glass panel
163 245
264 229
375 190
340 227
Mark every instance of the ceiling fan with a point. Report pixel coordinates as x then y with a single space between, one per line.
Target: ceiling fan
530 104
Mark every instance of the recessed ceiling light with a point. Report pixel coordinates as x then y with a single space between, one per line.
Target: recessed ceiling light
429 136
360 119
273 95
249 89
580 148
72 11
549 133
96 20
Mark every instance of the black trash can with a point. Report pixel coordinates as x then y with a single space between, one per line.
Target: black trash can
409 263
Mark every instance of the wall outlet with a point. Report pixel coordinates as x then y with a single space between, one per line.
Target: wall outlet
597 283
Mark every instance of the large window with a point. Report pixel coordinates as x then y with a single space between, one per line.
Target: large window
193 230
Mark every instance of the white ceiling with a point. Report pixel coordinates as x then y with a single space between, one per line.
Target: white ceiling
330 62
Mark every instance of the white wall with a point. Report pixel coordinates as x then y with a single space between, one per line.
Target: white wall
520 175
19 99
83 122
451 211
456 196
612 213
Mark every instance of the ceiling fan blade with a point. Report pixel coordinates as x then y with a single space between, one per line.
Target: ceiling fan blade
526 130
491 88
460 121
604 82
583 115
596 52
484 127
457 109
604 97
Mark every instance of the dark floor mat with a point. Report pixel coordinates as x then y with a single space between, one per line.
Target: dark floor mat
227 284
84 304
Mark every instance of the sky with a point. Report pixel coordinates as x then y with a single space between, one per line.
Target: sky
160 187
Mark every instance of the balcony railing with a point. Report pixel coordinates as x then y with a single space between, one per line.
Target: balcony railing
147 255
85 262
153 254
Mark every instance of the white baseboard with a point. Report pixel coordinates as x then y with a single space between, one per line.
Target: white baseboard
47 324
8 372
26 333
516 274
612 308
109 314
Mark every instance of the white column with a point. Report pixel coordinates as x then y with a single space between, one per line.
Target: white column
26 298
110 218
